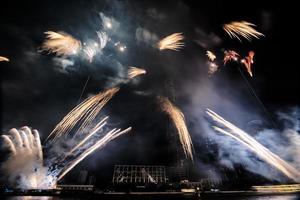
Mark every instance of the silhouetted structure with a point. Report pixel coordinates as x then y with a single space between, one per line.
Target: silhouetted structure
139 174
82 177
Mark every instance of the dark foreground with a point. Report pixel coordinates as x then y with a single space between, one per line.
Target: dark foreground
272 197
238 195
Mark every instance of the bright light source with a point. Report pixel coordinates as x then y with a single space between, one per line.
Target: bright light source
108 25
121 48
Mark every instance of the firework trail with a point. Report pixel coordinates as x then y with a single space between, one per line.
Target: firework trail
242 29
60 43
178 119
83 89
4 59
134 71
86 112
211 56
172 42
98 145
248 61
255 146
229 56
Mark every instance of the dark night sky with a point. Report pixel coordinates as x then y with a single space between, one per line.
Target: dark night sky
34 93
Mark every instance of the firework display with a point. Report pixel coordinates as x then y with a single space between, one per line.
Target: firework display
104 53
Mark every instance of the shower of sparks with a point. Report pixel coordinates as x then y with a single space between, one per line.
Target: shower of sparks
248 61
26 167
134 71
179 122
24 163
111 135
242 29
172 42
254 146
60 43
26 156
229 56
211 56
4 59
86 112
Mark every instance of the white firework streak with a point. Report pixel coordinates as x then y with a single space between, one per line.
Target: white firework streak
255 146
102 123
103 39
90 52
98 145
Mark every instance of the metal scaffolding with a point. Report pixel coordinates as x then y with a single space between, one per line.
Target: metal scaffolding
139 174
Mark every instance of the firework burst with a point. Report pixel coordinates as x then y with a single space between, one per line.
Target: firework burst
172 42
178 119
60 43
242 29
24 165
134 71
229 56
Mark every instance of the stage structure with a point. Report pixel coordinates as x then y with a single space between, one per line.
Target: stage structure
139 174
